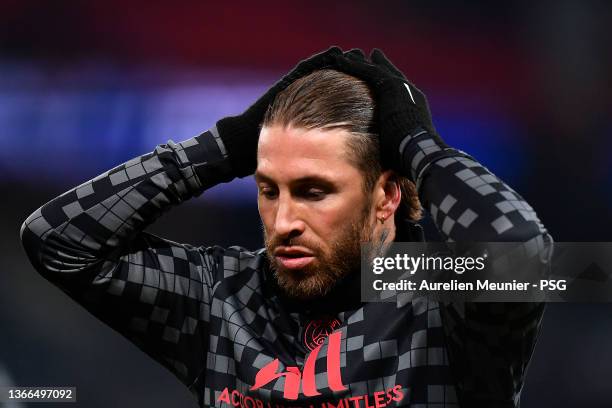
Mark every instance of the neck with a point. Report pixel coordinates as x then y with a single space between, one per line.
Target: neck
382 236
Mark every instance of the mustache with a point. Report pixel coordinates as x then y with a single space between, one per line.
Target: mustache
275 241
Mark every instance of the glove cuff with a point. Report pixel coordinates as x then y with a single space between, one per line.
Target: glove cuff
240 139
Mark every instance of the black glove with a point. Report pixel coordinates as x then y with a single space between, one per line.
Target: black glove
240 134
403 116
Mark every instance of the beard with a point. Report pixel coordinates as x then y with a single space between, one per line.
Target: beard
327 268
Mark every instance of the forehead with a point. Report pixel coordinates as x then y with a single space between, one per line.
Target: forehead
288 152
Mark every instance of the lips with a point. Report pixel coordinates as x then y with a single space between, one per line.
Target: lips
293 257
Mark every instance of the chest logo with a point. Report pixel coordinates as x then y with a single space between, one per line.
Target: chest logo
316 331
293 375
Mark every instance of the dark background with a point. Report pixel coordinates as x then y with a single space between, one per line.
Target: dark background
85 85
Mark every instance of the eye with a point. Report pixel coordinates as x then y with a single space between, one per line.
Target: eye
268 192
314 194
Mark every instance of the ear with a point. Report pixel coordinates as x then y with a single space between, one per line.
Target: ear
388 195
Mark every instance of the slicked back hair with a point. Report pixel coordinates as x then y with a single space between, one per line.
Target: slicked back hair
329 99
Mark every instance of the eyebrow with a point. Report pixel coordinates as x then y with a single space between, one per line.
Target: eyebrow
260 177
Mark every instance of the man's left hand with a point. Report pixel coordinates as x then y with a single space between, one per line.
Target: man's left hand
403 112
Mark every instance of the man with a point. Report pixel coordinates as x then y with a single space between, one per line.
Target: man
346 149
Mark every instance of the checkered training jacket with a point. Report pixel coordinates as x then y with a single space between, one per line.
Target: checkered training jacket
215 317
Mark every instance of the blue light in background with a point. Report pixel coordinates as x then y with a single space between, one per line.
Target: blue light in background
494 141
65 135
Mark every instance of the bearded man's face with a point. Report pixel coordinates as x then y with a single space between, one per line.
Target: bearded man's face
313 207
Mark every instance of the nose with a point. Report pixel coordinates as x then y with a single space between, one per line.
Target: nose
288 223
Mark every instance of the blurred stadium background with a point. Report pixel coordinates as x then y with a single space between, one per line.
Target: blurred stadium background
522 86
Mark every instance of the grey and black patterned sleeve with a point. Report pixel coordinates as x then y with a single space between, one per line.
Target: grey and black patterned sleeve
490 344
90 242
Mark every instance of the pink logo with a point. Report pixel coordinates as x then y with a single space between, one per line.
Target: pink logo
317 331
293 376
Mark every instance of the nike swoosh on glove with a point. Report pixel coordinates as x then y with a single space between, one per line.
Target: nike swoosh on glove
403 115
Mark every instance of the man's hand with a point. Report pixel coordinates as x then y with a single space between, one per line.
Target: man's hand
241 133
403 114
